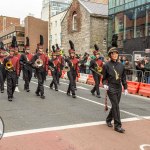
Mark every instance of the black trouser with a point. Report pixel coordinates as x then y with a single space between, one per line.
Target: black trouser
1 80
11 83
27 75
72 82
59 75
54 81
97 82
114 96
41 78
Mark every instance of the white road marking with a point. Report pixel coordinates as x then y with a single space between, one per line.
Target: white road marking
142 147
131 95
58 128
86 99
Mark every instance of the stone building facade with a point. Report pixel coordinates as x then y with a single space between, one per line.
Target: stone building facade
85 24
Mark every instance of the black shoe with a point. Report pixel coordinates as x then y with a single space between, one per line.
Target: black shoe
10 99
68 93
2 91
28 90
120 130
98 96
37 93
93 93
109 124
50 87
42 97
56 89
73 96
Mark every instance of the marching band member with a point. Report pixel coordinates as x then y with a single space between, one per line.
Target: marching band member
72 73
113 79
61 60
11 64
2 69
96 68
54 66
40 63
25 61
18 55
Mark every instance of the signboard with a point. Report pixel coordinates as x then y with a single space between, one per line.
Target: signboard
137 57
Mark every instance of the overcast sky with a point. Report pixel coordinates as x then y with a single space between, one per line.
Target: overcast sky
20 8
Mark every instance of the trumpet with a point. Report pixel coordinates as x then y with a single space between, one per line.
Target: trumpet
9 66
38 63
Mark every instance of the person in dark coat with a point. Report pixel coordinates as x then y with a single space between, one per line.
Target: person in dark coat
113 78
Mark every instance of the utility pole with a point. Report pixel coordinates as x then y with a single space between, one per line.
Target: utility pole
49 29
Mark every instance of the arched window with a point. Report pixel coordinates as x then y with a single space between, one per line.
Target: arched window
74 21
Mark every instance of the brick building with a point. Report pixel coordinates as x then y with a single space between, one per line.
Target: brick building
7 35
85 24
6 22
35 27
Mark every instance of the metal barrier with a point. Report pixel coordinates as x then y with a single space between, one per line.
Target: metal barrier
134 75
146 77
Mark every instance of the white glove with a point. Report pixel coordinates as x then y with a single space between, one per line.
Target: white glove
106 87
126 92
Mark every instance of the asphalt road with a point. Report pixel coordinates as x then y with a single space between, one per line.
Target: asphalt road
27 111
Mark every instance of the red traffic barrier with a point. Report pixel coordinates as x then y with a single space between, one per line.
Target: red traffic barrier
144 89
133 87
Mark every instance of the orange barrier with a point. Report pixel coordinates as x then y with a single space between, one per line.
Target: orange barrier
144 89
133 87
90 80
63 73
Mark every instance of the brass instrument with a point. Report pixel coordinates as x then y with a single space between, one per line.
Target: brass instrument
98 70
66 67
51 68
116 74
38 63
9 66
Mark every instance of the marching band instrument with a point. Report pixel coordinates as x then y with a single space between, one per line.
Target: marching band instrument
9 66
38 63
66 67
51 68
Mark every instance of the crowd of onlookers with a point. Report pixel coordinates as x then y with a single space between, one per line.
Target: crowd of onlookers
138 70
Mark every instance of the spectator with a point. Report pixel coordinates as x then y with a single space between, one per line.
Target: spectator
129 72
140 70
147 70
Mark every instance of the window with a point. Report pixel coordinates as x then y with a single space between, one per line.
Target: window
74 22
